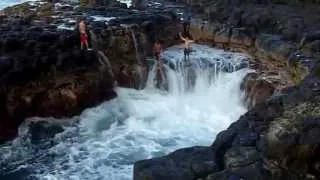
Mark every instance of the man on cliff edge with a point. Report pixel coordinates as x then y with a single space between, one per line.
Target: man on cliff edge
83 34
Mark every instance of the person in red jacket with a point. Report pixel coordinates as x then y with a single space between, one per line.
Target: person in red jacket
83 35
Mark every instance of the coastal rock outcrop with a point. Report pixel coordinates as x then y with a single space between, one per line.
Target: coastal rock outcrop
44 73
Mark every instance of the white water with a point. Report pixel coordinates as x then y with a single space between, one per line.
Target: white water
127 2
139 124
7 3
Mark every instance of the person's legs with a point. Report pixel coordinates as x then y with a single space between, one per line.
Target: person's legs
162 77
82 40
87 46
185 54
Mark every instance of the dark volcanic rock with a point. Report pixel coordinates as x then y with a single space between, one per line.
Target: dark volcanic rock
43 73
43 130
183 164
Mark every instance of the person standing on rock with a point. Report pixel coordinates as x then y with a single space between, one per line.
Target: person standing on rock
187 46
83 34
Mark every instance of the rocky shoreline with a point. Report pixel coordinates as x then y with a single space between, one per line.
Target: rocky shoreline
43 73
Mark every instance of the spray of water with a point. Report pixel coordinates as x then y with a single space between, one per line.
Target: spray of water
106 140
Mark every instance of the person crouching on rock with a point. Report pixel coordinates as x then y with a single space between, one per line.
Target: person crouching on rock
187 46
83 34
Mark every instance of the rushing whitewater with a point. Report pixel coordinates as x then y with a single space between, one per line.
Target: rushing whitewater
7 3
105 141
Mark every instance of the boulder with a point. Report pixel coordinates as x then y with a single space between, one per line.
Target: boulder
43 130
184 164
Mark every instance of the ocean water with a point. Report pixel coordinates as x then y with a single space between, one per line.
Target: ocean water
6 3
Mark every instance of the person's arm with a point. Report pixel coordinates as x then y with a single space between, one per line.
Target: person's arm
183 39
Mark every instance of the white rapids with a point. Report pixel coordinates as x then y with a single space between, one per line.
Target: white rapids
106 140
7 3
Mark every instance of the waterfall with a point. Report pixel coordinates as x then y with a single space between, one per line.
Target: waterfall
135 43
203 99
103 59
139 64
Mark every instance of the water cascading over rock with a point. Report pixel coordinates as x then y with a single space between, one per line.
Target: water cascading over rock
138 66
105 141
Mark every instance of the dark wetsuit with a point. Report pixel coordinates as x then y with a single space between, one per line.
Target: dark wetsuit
187 52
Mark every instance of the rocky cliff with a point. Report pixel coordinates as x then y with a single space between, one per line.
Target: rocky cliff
44 73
